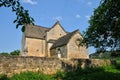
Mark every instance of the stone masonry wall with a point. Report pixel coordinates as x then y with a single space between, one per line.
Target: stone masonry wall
36 47
75 51
12 64
15 64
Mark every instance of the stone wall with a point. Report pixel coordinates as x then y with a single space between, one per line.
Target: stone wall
12 64
36 47
74 50
55 32
15 64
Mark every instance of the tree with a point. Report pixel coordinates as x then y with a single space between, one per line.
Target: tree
15 52
104 30
22 14
4 53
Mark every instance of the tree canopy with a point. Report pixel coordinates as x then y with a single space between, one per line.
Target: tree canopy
22 14
15 52
104 30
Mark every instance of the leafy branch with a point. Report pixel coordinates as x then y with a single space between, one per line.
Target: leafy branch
22 14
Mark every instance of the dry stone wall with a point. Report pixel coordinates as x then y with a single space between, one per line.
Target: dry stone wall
15 64
10 65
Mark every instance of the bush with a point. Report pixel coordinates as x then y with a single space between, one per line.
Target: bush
4 54
15 52
59 75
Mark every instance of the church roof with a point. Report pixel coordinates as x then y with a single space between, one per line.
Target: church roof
34 31
63 40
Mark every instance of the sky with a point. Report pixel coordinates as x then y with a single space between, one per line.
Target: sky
72 15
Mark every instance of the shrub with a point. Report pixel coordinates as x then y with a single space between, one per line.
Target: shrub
15 52
4 54
59 75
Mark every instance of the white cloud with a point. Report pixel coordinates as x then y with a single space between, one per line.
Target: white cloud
32 2
77 16
87 17
89 3
58 18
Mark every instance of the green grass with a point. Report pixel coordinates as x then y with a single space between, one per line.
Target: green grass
103 73
100 73
30 76
118 60
27 76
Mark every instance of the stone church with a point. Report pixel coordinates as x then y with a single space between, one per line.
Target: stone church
52 42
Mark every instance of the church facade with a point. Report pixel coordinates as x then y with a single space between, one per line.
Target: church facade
52 42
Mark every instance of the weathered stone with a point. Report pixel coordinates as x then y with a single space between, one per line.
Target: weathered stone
10 65
52 42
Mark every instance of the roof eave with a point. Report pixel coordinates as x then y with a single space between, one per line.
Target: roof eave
57 46
34 37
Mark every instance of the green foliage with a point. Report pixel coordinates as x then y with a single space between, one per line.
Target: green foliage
101 55
118 60
22 14
100 73
105 55
59 75
118 63
3 77
15 52
104 29
30 76
115 53
4 53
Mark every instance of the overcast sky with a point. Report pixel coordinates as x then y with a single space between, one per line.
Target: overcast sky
72 14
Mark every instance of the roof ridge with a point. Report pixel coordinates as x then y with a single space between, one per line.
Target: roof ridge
58 22
70 33
41 26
